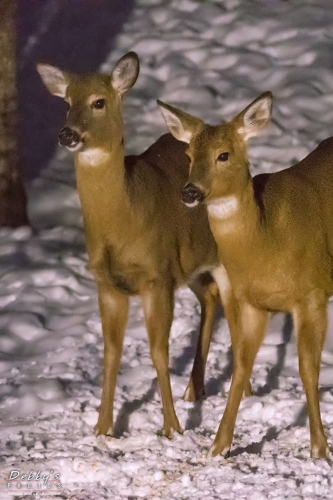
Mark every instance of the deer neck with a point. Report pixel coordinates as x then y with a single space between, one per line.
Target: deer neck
236 224
101 183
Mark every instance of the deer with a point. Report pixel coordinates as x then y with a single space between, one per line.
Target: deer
140 239
274 233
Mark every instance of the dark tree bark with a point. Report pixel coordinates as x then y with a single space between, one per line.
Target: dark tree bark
13 211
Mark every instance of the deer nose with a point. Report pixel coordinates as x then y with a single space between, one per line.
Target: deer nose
191 195
68 137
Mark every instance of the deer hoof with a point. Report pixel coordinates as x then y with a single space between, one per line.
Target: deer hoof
169 432
248 390
215 450
103 428
320 451
192 395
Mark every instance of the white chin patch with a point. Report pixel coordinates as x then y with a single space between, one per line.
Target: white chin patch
94 156
222 208
76 147
191 205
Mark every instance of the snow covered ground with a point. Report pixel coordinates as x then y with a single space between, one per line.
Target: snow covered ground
210 58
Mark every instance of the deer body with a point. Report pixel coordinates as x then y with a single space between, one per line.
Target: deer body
275 239
134 257
268 239
141 240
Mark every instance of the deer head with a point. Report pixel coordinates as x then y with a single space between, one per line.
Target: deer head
218 154
94 118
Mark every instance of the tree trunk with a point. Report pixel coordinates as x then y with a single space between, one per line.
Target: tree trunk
13 212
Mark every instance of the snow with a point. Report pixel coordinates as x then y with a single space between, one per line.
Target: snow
209 58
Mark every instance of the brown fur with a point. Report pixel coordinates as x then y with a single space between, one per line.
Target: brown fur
141 239
276 244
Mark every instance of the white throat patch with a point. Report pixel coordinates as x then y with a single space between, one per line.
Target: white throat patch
93 156
222 208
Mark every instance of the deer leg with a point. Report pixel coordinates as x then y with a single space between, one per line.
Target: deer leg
252 326
230 307
311 324
158 305
113 307
208 296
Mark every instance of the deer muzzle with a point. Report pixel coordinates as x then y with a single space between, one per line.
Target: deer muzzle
69 138
191 195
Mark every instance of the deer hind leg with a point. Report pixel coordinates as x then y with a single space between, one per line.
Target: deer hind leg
310 321
114 312
230 307
251 326
158 304
208 296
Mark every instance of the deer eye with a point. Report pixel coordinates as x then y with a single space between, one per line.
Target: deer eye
223 157
98 104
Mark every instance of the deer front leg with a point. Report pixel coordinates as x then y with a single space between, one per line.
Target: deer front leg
231 310
113 307
158 310
310 320
208 296
251 326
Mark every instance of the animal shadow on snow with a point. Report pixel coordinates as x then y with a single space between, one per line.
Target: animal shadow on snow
301 418
272 433
256 448
213 386
121 425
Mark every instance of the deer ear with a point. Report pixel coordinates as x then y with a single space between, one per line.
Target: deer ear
255 117
125 72
181 125
55 80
